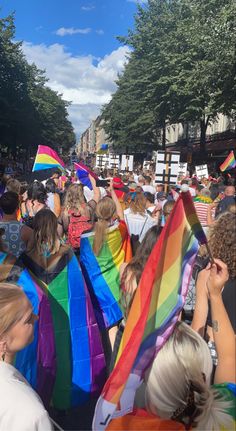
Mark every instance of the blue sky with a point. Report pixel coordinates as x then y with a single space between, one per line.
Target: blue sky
75 42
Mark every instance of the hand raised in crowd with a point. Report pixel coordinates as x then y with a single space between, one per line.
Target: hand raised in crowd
218 276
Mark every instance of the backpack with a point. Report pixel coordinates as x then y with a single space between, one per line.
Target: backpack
77 225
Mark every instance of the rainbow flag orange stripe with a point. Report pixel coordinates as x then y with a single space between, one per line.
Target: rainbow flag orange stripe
229 162
46 158
157 303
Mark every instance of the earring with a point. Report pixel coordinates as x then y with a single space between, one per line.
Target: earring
3 356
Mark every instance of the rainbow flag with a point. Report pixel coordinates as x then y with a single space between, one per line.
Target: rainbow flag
37 362
157 303
47 158
102 272
83 172
229 162
80 363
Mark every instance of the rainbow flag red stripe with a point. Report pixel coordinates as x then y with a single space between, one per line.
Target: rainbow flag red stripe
47 158
229 162
157 303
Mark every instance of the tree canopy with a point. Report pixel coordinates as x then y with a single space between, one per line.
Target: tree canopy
181 68
30 112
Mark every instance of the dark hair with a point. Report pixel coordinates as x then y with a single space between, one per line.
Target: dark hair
23 187
50 186
149 196
148 179
37 192
9 202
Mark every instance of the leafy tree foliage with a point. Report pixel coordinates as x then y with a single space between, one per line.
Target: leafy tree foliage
181 68
30 112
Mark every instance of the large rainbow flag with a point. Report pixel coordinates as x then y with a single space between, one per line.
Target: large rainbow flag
229 162
102 272
157 303
65 363
80 363
37 362
47 158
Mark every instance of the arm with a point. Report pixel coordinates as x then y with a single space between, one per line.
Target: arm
27 236
57 204
201 306
119 210
223 332
210 219
96 190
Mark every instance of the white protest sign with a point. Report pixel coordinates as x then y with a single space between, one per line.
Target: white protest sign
127 163
201 171
114 161
182 171
167 165
102 161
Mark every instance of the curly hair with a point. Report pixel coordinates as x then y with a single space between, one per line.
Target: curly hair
222 241
74 198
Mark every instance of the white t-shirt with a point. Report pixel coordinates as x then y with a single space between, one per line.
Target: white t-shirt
150 189
20 407
138 224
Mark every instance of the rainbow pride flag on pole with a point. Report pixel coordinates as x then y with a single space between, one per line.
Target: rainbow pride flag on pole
102 272
157 303
229 162
47 158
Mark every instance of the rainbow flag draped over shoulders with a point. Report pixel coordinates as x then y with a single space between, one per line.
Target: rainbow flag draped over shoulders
47 158
229 162
157 303
102 272
80 370
37 362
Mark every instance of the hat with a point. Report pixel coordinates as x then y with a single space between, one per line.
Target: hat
118 183
132 186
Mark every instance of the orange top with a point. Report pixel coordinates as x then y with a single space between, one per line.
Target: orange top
140 420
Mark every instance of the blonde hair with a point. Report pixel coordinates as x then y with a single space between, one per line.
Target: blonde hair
45 232
183 361
105 210
11 309
138 204
74 199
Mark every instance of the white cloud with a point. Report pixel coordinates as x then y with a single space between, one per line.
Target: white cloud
100 32
86 81
137 1
87 8
71 30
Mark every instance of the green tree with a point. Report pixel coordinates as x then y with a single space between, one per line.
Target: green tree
30 112
183 68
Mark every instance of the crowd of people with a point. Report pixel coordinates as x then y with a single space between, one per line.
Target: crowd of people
71 258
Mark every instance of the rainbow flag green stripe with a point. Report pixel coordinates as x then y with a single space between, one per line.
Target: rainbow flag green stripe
102 272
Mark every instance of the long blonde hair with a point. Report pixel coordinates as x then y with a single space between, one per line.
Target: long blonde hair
105 210
45 232
183 361
11 309
74 199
